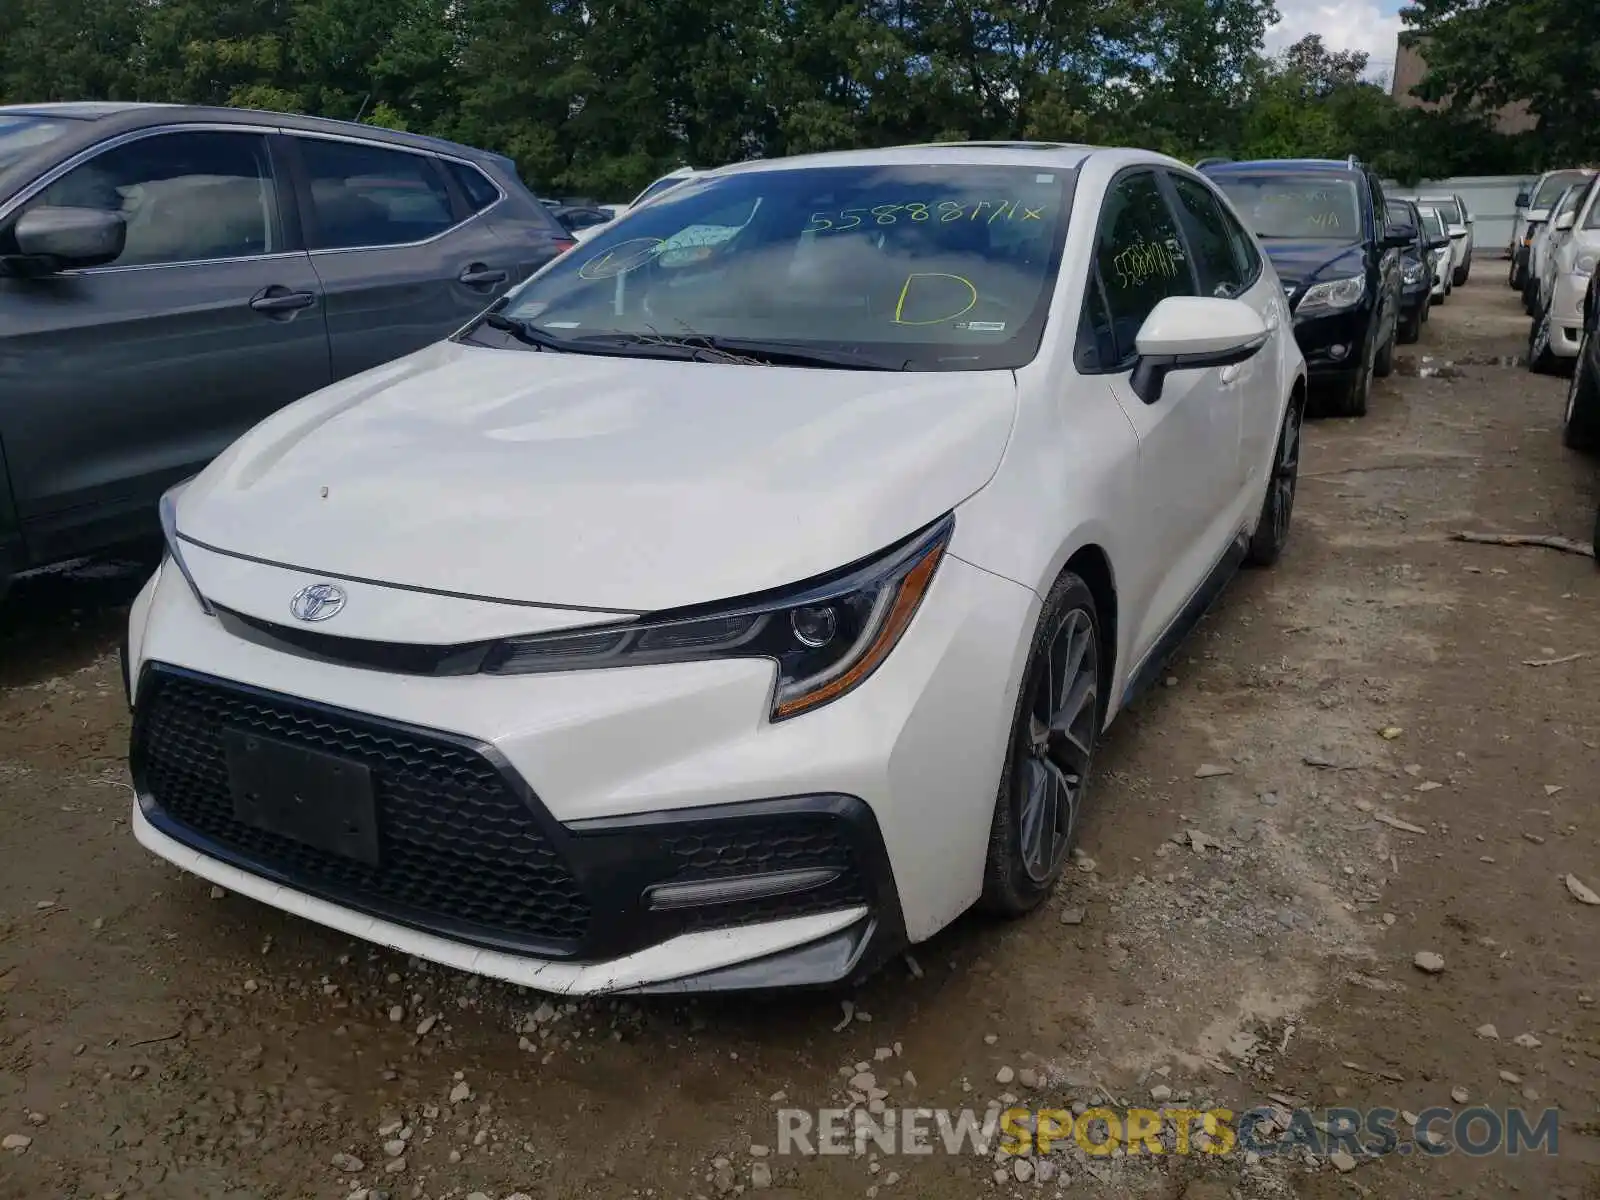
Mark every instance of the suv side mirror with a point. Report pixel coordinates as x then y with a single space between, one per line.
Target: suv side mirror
1398 238
1438 243
1191 333
1523 199
1566 221
61 239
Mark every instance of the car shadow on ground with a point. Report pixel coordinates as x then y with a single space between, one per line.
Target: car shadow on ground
61 619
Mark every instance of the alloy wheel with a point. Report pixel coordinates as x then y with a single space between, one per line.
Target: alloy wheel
1053 764
1286 475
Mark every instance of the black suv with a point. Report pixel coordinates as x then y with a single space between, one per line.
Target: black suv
1416 268
1324 225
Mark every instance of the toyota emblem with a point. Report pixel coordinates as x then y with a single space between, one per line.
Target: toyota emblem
317 602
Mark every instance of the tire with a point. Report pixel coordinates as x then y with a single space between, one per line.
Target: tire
1530 296
1410 329
1383 364
1353 402
1017 878
1580 429
1277 506
1541 360
1427 308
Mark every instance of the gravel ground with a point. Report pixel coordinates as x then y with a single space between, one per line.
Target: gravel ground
1357 759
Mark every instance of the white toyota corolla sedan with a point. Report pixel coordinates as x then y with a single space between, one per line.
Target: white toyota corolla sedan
741 599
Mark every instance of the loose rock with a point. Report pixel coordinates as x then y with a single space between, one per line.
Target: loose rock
1428 962
348 1163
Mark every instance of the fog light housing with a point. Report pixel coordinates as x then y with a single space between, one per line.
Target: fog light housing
1338 352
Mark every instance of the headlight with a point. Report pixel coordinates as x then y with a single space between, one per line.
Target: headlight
1411 272
1584 265
169 532
825 637
1332 296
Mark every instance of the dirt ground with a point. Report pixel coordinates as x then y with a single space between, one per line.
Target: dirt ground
1407 771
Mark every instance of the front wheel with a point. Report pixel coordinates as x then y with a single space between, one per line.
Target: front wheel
1277 508
1383 364
1541 358
1053 736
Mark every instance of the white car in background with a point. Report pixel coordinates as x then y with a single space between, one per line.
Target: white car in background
1458 222
1442 260
1533 208
727 619
1557 330
1547 236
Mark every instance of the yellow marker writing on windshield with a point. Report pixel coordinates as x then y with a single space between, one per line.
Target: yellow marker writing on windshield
905 290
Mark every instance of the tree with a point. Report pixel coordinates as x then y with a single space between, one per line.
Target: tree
1485 54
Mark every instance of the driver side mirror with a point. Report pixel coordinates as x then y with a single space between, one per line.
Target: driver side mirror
64 239
1438 243
1398 238
1523 198
1566 221
1192 333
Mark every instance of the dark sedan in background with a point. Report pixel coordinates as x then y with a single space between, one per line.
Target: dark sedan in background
169 276
1417 267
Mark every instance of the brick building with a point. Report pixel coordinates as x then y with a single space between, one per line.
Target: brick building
1410 68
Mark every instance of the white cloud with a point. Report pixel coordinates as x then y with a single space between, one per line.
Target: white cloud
1344 25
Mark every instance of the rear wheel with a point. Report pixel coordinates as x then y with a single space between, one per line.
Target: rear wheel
1277 509
1514 276
1053 736
1581 428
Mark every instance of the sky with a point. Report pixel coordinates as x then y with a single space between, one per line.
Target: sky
1369 25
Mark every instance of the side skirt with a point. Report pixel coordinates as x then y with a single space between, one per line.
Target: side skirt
1198 605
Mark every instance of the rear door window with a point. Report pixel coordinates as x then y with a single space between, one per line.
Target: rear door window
365 196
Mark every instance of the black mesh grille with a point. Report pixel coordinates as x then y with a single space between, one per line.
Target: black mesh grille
459 850
775 842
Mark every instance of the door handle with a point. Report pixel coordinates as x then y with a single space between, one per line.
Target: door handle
478 275
277 299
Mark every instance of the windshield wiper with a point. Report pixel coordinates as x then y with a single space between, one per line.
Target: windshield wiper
525 332
785 354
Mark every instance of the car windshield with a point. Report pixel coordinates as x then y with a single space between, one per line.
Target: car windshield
1449 210
915 267
1592 219
1550 190
1286 206
22 133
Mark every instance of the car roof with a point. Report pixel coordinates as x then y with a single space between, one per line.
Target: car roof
112 117
1298 165
1060 155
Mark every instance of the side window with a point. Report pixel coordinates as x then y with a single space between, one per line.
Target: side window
1140 257
1380 224
186 197
474 184
372 196
1221 273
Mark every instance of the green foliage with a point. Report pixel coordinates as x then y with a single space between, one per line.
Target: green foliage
599 96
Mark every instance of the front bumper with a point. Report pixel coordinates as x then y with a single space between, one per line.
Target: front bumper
1333 345
534 821
1566 314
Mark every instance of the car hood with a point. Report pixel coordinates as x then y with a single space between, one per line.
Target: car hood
1302 262
608 483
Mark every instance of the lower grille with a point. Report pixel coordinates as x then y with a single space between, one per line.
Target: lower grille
764 844
460 851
